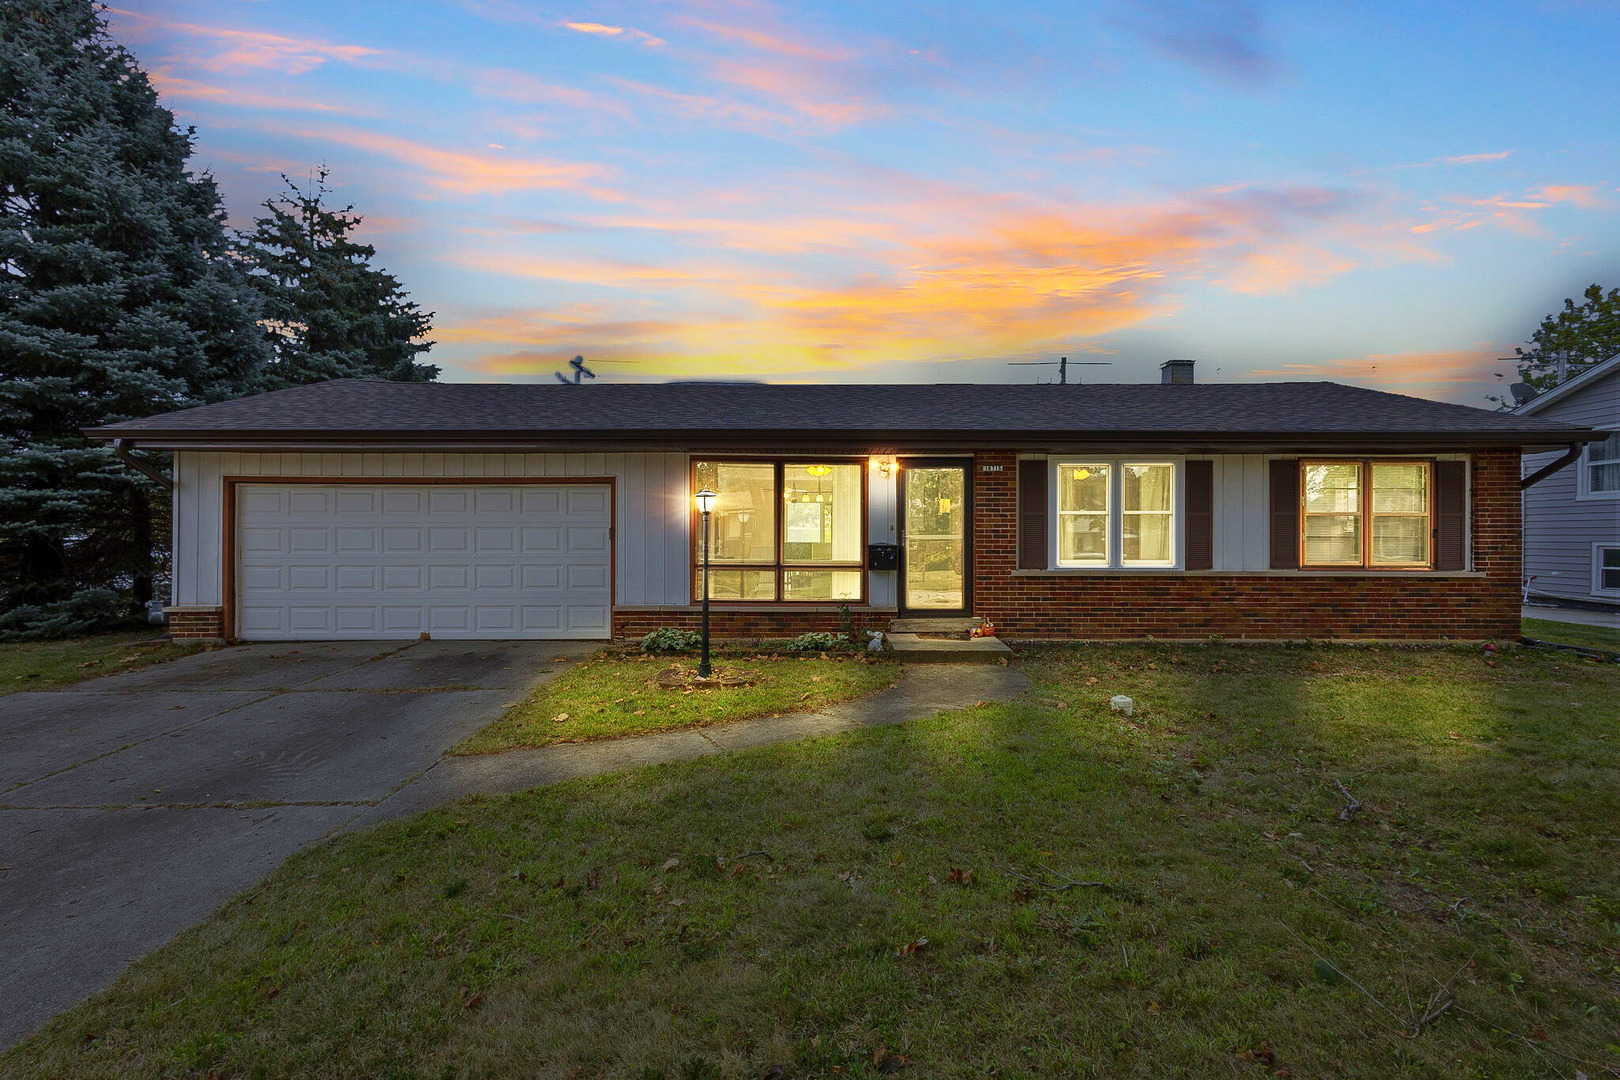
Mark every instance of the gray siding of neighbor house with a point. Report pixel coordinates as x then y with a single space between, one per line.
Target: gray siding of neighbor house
1560 529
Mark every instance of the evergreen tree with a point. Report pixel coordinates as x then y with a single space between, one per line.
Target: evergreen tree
118 299
330 314
1573 339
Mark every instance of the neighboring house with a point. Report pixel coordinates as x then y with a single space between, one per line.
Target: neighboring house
358 509
1572 519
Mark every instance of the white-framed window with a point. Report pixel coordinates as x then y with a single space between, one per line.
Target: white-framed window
1600 469
1606 569
1115 513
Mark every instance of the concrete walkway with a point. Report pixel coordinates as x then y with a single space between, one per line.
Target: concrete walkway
1579 616
923 691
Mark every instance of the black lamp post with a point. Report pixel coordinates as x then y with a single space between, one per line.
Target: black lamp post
705 503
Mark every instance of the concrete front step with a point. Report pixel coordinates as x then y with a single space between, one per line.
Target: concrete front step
916 649
922 624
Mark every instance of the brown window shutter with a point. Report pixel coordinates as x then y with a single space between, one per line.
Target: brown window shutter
1285 514
1032 515
1450 515
1199 532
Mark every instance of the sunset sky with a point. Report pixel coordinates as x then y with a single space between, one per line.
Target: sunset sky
1385 194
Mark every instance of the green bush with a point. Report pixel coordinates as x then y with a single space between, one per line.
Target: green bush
819 641
671 640
85 612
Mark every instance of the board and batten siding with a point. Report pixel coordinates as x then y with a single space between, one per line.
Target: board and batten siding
650 526
1559 528
652 543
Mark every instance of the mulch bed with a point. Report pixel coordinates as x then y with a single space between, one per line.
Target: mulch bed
676 677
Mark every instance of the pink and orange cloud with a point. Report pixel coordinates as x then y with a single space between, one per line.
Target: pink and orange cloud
604 30
1422 371
469 172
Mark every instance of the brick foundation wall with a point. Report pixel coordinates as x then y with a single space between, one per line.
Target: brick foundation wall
196 622
745 623
1246 605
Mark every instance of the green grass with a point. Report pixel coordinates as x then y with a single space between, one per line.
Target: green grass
41 665
727 916
608 697
1593 637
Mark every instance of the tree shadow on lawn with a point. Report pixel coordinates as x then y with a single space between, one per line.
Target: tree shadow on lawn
1041 887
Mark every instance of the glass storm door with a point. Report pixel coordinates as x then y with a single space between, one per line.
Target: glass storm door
933 537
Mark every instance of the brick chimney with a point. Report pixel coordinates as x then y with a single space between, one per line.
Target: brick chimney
1176 371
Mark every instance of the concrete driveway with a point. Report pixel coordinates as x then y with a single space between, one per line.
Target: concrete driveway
134 805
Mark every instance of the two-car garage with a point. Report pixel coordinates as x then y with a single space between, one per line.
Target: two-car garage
397 560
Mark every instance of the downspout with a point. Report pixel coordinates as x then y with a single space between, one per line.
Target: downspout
1551 467
121 451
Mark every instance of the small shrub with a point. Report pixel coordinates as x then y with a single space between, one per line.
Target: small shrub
671 640
85 612
818 641
846 621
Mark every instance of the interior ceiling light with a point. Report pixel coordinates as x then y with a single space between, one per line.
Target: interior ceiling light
818 470
1081 474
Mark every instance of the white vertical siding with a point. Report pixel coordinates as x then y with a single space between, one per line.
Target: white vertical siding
652 526
1242 496
883 527
653 551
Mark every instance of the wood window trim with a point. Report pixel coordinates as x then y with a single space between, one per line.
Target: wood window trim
1115 511
778 568
1364 513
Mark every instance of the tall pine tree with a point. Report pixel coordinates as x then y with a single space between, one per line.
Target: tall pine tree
118 299
330 314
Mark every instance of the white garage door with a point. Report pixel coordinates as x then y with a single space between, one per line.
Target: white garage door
397 560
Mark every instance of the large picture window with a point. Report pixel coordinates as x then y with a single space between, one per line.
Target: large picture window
1116 513
783 530
1366 514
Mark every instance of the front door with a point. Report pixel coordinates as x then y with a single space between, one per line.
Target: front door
934 518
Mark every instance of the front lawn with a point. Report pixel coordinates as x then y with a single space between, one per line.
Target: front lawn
1593 637
41 665
1042 888
608 697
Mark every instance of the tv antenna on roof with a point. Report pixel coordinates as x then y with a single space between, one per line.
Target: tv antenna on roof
1062 363
580 372
583 372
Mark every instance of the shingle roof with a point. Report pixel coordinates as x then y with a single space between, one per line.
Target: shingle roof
351 411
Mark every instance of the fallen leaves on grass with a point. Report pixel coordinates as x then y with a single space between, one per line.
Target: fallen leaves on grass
886 1063
912 947
559 718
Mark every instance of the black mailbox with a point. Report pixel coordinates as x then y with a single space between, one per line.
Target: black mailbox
883 556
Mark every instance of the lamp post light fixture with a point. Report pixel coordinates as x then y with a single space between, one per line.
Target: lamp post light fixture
705 503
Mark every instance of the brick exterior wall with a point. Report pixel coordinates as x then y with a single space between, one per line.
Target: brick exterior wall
1246 605
196 622
745 623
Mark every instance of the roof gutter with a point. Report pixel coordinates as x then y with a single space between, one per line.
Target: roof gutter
1551 467
120 448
